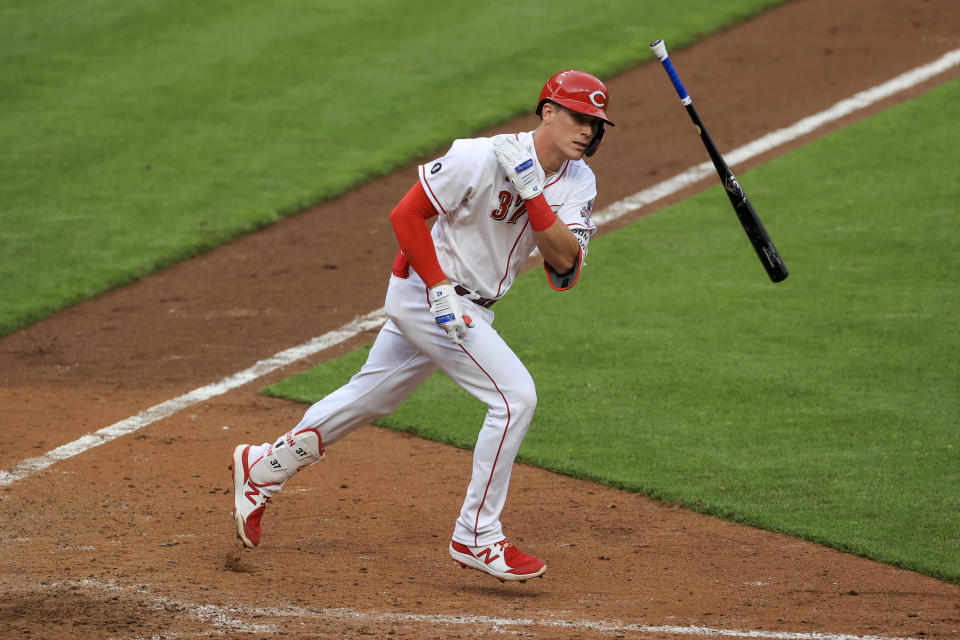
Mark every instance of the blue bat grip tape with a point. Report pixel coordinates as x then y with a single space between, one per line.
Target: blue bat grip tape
674 78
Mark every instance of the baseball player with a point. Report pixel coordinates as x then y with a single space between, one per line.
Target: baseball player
495 200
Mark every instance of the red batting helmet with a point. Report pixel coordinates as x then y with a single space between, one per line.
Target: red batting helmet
578 91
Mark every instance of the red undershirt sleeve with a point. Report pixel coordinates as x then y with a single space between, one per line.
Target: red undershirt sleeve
409 220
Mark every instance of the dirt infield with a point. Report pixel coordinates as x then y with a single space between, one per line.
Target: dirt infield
133 539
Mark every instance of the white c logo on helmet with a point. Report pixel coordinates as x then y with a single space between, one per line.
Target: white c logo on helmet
598 98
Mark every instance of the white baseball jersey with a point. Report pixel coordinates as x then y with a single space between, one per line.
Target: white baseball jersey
483 236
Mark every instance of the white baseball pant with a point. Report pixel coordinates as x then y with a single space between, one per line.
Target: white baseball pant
408 349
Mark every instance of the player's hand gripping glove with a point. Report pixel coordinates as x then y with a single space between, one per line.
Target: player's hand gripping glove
448 312
519 165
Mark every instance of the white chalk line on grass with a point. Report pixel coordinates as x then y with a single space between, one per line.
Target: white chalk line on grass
375 318
231 618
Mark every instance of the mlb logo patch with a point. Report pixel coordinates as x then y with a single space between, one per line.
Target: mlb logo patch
585 211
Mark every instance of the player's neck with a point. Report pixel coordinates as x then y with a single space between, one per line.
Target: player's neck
549 157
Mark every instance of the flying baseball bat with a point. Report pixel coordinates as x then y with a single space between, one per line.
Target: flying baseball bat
766 251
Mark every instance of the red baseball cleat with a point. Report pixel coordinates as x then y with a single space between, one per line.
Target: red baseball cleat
501 559
249 499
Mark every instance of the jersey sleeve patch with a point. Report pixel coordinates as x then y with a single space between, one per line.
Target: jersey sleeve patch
452 177
583 237
585 212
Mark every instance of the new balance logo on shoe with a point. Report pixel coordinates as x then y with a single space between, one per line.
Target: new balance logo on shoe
486 555
251 495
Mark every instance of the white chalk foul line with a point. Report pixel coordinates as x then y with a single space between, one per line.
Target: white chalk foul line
231 618
612 627
202 394
375 318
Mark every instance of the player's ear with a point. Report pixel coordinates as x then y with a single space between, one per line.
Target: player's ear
549 111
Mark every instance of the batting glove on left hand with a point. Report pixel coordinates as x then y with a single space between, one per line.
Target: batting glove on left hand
448 312
519 165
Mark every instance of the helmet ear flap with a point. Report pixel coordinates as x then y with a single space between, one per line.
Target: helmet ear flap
595 142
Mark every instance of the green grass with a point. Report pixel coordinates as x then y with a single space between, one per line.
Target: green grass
825 407
136 134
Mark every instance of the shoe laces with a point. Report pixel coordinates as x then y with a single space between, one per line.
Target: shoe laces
508 550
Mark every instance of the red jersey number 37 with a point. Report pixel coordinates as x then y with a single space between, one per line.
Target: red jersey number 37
500 213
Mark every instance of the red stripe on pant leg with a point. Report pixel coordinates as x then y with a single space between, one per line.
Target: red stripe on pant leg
497 458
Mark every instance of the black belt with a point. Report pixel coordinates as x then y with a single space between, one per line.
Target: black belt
473 297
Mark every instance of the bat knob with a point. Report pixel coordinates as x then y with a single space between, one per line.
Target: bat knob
659 49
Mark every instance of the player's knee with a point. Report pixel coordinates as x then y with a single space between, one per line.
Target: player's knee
523 398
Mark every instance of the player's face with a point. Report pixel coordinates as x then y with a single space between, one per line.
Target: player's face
571 131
